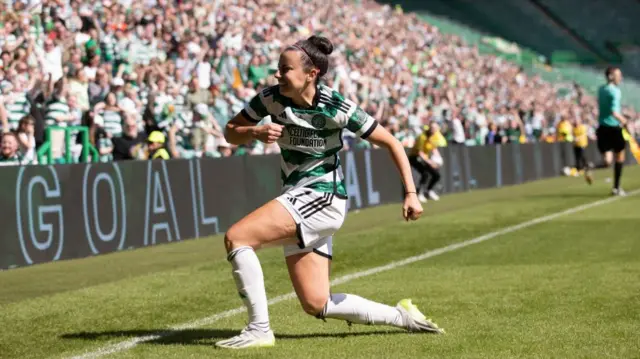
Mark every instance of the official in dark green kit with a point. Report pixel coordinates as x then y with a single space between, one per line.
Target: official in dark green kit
611 123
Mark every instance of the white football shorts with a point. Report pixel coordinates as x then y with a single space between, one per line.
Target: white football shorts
318 216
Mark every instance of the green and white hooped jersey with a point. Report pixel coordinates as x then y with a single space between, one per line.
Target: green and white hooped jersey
312 136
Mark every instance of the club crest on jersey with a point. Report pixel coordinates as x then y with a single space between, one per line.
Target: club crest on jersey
318 121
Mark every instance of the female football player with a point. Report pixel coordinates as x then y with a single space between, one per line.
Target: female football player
307 119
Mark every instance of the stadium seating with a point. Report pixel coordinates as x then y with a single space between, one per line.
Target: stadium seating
105 68
599 22
518 21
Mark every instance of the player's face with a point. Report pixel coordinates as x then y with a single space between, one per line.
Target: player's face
291 74
617 76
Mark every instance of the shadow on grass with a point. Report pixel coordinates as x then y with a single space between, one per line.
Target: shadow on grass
204 336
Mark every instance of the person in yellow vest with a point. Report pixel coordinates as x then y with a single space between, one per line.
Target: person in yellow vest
425 158
564 130
580 143
564 134
549 135
438 138
153 149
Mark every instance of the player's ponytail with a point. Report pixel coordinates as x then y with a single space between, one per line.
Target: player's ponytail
315 53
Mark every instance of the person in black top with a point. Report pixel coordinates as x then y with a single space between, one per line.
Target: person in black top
130 137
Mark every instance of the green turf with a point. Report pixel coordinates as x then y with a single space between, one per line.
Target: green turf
566 288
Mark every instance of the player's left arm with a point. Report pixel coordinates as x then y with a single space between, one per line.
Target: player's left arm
381 137
368 128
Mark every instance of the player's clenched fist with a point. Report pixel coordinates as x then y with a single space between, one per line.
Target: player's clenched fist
411 209
268 133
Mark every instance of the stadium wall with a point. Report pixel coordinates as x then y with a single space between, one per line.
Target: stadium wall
61 212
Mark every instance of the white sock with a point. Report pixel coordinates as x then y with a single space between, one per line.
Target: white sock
355 309
247 273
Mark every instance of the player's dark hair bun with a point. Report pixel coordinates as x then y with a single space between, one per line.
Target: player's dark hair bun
315 52
321 43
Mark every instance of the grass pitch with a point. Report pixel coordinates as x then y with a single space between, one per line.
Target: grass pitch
564 288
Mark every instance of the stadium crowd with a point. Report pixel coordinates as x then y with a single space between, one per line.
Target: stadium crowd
181 69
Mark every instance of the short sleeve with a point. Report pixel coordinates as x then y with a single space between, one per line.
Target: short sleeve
257 108
361 123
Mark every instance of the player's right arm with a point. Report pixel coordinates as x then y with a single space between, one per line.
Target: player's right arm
243 127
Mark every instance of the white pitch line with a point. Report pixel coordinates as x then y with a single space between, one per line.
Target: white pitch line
128 344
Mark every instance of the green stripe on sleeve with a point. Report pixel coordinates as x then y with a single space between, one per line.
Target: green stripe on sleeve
258 107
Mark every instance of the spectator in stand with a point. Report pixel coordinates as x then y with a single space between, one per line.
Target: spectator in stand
16 103
495 136
9 150
426 159
131 137
98 137
224 149
162 58
153 149
27 140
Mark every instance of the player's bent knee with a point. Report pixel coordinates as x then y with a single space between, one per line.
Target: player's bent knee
314 306
233 238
